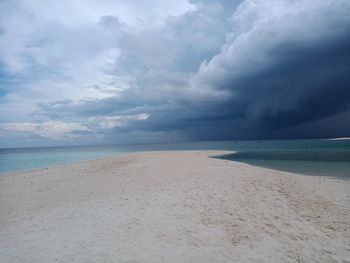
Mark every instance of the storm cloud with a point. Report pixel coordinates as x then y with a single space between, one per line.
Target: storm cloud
199 70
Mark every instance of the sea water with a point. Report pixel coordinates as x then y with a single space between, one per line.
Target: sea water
314 157
310 157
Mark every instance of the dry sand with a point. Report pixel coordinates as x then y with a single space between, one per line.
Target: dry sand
172 207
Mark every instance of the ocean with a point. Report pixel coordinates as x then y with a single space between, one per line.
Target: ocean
309 157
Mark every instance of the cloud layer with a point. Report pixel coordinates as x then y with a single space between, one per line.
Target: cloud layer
120 71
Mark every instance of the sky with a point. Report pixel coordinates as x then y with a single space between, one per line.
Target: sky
126 71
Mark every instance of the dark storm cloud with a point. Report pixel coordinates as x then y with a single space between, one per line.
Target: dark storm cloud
312 84
294 69
286 79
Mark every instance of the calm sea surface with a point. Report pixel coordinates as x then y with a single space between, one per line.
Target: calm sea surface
314 157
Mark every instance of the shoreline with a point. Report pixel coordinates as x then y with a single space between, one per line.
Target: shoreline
172 206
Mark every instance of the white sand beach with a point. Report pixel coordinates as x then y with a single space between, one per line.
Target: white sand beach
180 206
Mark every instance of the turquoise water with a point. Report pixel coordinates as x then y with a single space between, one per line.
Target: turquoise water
12 160
315 157
20 159
310 157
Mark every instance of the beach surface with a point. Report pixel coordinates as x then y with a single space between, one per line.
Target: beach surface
180 206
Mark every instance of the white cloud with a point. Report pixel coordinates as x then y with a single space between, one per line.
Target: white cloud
110 122
261 28
70 130
48 129
91 50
